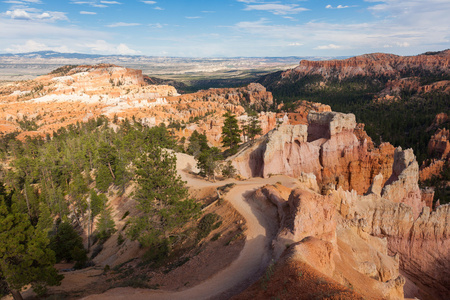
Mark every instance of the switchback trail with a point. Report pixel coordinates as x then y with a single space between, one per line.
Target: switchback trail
252 261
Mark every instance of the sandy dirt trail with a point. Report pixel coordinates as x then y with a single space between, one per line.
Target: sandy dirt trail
252 261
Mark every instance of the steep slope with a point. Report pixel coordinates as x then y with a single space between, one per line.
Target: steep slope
416 86
375 65
391 205
332 147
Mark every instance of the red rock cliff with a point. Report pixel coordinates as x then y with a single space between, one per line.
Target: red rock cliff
375 64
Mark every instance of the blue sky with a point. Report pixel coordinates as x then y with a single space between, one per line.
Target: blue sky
218 28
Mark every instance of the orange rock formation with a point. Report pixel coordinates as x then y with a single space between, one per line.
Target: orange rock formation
329 147
351 215
375 64
75 94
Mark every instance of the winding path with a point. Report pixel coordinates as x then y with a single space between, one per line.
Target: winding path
252 261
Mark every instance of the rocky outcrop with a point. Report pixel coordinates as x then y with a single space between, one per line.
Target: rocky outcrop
373 65
289 139
439 119
438 149
403 186
291 277
254 95
421 242
433 168
75 94
363 240
308 214
315 232
302 109
331 147
370 210
394 88
439 145
328 124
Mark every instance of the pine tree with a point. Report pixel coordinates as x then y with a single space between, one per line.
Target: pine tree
163 199
231 134
254 127
197 144
105 223
208 162
65 241
25 257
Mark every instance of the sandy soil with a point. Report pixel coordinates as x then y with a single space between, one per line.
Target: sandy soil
296 280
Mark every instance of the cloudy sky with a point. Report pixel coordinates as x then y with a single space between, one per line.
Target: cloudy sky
209 28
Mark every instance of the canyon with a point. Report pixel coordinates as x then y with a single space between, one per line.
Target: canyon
340 216
386 212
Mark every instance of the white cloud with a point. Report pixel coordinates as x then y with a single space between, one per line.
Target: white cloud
98 5
156 25
110 2
93 3
87 12
35 14
123 24
33 46
24 2
328 47
275 8
404 44
191 18
103 47
158 8
149 2
408 27
18 32
295 44
337 7
250 1
398 44
125 50
19 14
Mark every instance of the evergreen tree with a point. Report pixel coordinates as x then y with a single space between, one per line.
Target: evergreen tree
107 157
197 144
103 179
253 127
231 134
105 224
163 199
66 242
25 257
208 162
228 171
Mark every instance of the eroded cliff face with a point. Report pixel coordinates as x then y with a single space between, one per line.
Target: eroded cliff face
375 64
438 149
394 88
439 145
367 224
314 231
332 147
422 243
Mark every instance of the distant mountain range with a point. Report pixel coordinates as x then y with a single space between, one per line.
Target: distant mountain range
54 54
23 66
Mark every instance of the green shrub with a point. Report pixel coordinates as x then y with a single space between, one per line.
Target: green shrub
206 225
67 244
228 171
